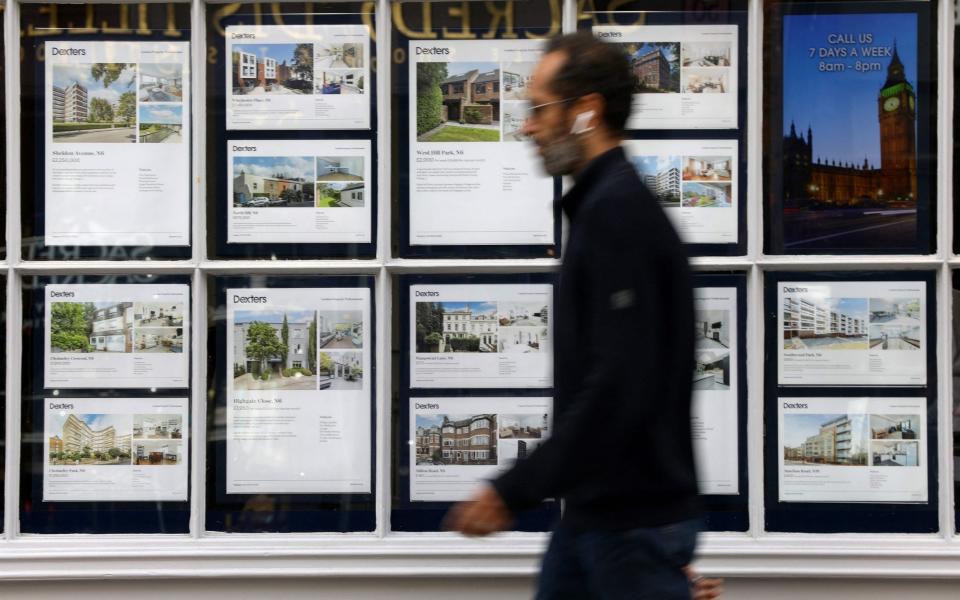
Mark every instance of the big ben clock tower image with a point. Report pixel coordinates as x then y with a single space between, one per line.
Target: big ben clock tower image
898 138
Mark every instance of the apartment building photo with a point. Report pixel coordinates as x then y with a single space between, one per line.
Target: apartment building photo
838 323
454 440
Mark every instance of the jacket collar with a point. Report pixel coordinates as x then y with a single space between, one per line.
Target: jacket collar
588 178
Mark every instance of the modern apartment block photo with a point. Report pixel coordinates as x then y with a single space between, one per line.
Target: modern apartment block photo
456 439
894 454
895 427
275 69
157 427
94 103
824 323
825 439
458 102
698 194
456 326
706 54
161 123
89 439
340 370
157 453
161 82
273 181
275 348
655 66
711 350
661 175
340 329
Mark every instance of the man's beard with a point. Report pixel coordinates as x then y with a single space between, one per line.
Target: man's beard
562 156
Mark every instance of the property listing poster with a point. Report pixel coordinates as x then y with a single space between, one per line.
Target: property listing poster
852 333
474 178
298 400
481 336
298 77
299 191
117 131
686 75
715 390
125 449
459 443
849 132
852 449
696 182
116 336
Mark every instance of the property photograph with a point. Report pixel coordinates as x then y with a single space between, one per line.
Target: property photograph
522 314
825 439
706 54
273 181
511 450
895 311
82 327
704 81
655 66
340 370
339 168
523 340
339 56
894 337
711 350
895 454
88 439
661 175
275 348
157 314
514 115
157 427
275 69
456 439
333 194
340 329
457 326
813 322
525 427
161 82
338 82
157 452
158 340
516 80
706 195
161 123
707 168
94 103
458 102
895 427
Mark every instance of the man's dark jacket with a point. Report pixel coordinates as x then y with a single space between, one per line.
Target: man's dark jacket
620 453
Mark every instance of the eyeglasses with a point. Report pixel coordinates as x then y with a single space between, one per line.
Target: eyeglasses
536 110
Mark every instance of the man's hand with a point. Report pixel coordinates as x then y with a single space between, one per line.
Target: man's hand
483 514
703 588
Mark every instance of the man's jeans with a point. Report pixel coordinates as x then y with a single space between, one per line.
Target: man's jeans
637 563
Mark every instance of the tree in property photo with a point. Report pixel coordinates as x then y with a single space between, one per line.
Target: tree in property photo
285 338
127 108
262 344
429 324
429 95
302 61
326 363
70 326
100 111
107 73
312 343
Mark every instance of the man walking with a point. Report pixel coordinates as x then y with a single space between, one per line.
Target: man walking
621 455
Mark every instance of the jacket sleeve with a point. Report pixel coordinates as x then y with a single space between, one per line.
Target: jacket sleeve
621 286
